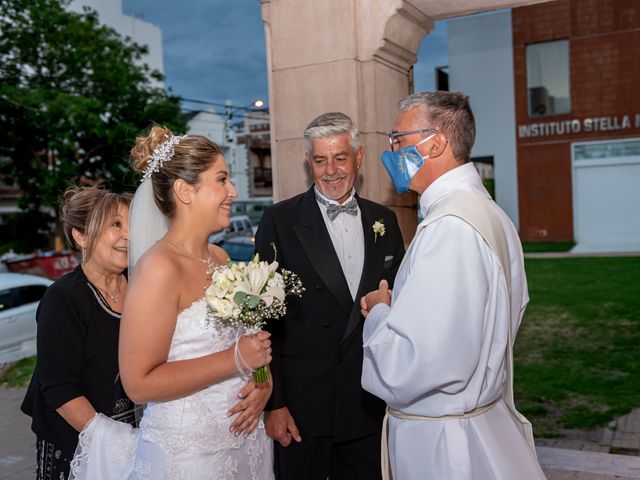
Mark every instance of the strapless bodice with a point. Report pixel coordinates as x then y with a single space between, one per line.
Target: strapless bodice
199 420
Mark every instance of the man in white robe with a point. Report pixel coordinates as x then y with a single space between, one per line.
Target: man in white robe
438 349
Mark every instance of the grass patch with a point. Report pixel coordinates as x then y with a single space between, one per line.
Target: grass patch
18 374
577 354
541 247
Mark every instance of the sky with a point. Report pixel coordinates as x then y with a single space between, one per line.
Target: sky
214 50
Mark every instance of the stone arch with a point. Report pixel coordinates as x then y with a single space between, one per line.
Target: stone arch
353 56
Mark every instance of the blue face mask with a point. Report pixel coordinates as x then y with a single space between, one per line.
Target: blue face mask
403 165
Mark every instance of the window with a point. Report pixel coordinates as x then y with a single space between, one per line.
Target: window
548 78
484 166
442 78
6 301
262 177
16 296
31 293
592 151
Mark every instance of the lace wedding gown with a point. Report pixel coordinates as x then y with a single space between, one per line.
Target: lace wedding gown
187 438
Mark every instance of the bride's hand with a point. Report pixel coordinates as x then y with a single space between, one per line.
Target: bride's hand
254 398
255 349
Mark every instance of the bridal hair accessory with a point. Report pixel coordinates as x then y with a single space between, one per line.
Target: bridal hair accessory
161 154
378 229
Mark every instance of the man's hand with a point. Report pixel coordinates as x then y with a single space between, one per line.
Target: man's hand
281 427
371 299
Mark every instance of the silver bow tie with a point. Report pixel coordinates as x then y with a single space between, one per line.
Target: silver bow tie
333 210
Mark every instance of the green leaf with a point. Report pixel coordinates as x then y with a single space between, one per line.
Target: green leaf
252 301
240 298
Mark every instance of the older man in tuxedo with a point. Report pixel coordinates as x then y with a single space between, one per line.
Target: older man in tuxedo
323 422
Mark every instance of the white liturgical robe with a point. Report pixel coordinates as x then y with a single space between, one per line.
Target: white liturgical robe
440 349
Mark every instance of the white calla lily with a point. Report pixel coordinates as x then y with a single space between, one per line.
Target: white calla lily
271 294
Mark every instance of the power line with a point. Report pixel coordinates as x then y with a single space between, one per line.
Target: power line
220 104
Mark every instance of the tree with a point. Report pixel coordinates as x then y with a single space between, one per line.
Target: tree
73 96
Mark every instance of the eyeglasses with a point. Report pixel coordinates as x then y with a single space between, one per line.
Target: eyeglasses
393 136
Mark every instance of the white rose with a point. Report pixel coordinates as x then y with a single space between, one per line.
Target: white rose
221 280
222 308
210 292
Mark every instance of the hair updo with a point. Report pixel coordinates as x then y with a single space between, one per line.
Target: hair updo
88 209
193 155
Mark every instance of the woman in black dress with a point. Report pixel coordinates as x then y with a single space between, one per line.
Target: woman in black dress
78 326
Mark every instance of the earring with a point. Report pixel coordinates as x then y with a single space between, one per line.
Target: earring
84 255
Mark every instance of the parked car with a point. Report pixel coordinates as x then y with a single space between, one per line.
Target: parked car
240 226
239 249
19 298
47 264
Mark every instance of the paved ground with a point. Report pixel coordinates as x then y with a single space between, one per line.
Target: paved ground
17 442
562 459
621 436
575 255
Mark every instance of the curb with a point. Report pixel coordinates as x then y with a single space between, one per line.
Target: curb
563 464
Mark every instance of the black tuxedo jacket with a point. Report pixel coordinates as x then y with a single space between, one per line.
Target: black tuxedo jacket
317 346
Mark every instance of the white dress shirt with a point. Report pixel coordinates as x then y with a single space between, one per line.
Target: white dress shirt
348 240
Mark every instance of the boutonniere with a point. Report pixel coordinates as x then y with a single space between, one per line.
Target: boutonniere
378 229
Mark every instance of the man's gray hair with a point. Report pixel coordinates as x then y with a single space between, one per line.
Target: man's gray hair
329 125
449 113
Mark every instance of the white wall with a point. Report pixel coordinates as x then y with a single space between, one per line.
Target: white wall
481 66
143 33
236 157
211 125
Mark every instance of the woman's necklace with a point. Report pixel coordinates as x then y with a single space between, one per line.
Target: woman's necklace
207 261
116 297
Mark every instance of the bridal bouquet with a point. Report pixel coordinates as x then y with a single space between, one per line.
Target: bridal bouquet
247 294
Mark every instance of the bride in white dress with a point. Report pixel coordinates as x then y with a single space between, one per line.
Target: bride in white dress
202 418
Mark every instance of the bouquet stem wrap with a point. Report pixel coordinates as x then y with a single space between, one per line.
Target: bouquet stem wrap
261 375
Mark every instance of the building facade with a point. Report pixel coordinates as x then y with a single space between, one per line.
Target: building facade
254 135
143 33
480 63
573 129
214 126
247 151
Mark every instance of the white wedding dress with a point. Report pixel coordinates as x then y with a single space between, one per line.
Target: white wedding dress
187 438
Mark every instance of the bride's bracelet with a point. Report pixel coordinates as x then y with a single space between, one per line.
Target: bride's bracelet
241 364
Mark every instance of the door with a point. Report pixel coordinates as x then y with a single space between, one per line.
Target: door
606 196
